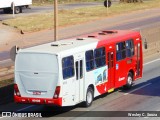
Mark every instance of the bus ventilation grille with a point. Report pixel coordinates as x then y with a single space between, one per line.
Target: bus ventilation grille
80 38
102 33
109 31
91 36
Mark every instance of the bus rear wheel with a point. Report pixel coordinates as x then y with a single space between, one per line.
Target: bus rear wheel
129 81
89 97
18 10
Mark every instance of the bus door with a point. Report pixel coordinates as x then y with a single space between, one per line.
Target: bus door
138 59
111 75
79 63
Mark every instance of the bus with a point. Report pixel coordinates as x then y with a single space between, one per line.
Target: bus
72 71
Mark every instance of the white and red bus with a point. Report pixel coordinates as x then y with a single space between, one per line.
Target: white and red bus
68 72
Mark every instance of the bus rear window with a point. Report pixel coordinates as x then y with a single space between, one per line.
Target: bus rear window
39 62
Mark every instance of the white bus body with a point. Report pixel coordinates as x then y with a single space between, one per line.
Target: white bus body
37 74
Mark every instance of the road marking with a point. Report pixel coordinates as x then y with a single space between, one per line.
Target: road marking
137 89
25 108
151 61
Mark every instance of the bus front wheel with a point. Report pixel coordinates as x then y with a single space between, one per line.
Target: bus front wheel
129 81
89 97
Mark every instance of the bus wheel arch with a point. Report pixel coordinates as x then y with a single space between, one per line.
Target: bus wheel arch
129 81
89 96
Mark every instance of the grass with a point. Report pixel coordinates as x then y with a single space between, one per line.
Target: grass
49 2
6 82
43 21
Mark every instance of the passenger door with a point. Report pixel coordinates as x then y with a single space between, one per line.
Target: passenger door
138 60
111 75
79 73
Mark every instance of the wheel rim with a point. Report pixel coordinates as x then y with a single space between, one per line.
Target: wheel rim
17 10
129 80
89 97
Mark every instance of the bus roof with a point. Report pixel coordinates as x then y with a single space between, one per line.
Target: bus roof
82 42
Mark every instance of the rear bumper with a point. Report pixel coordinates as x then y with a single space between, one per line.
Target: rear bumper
28 100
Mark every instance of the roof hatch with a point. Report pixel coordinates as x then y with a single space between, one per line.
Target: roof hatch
60 44
110 31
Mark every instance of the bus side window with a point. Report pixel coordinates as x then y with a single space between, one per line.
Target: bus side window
129 48
89 60
68 67
81 69
100 57
120 50
77 70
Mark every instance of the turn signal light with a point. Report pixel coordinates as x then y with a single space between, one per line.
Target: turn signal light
16 90
57 92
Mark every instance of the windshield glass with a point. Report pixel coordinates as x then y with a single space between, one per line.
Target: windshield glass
38 62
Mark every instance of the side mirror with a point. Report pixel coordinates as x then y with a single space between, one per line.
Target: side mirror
13 52
145 44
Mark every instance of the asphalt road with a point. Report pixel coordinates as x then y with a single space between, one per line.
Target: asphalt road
144 96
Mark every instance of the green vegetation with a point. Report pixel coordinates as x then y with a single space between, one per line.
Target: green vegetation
5 82
44 2
71 17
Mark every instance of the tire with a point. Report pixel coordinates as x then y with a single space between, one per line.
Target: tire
89 97
129 81
7 10
17 10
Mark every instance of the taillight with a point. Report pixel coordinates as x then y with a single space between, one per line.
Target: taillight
57 91
16 90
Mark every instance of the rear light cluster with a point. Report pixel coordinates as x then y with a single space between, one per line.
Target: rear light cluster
57 92
16 90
